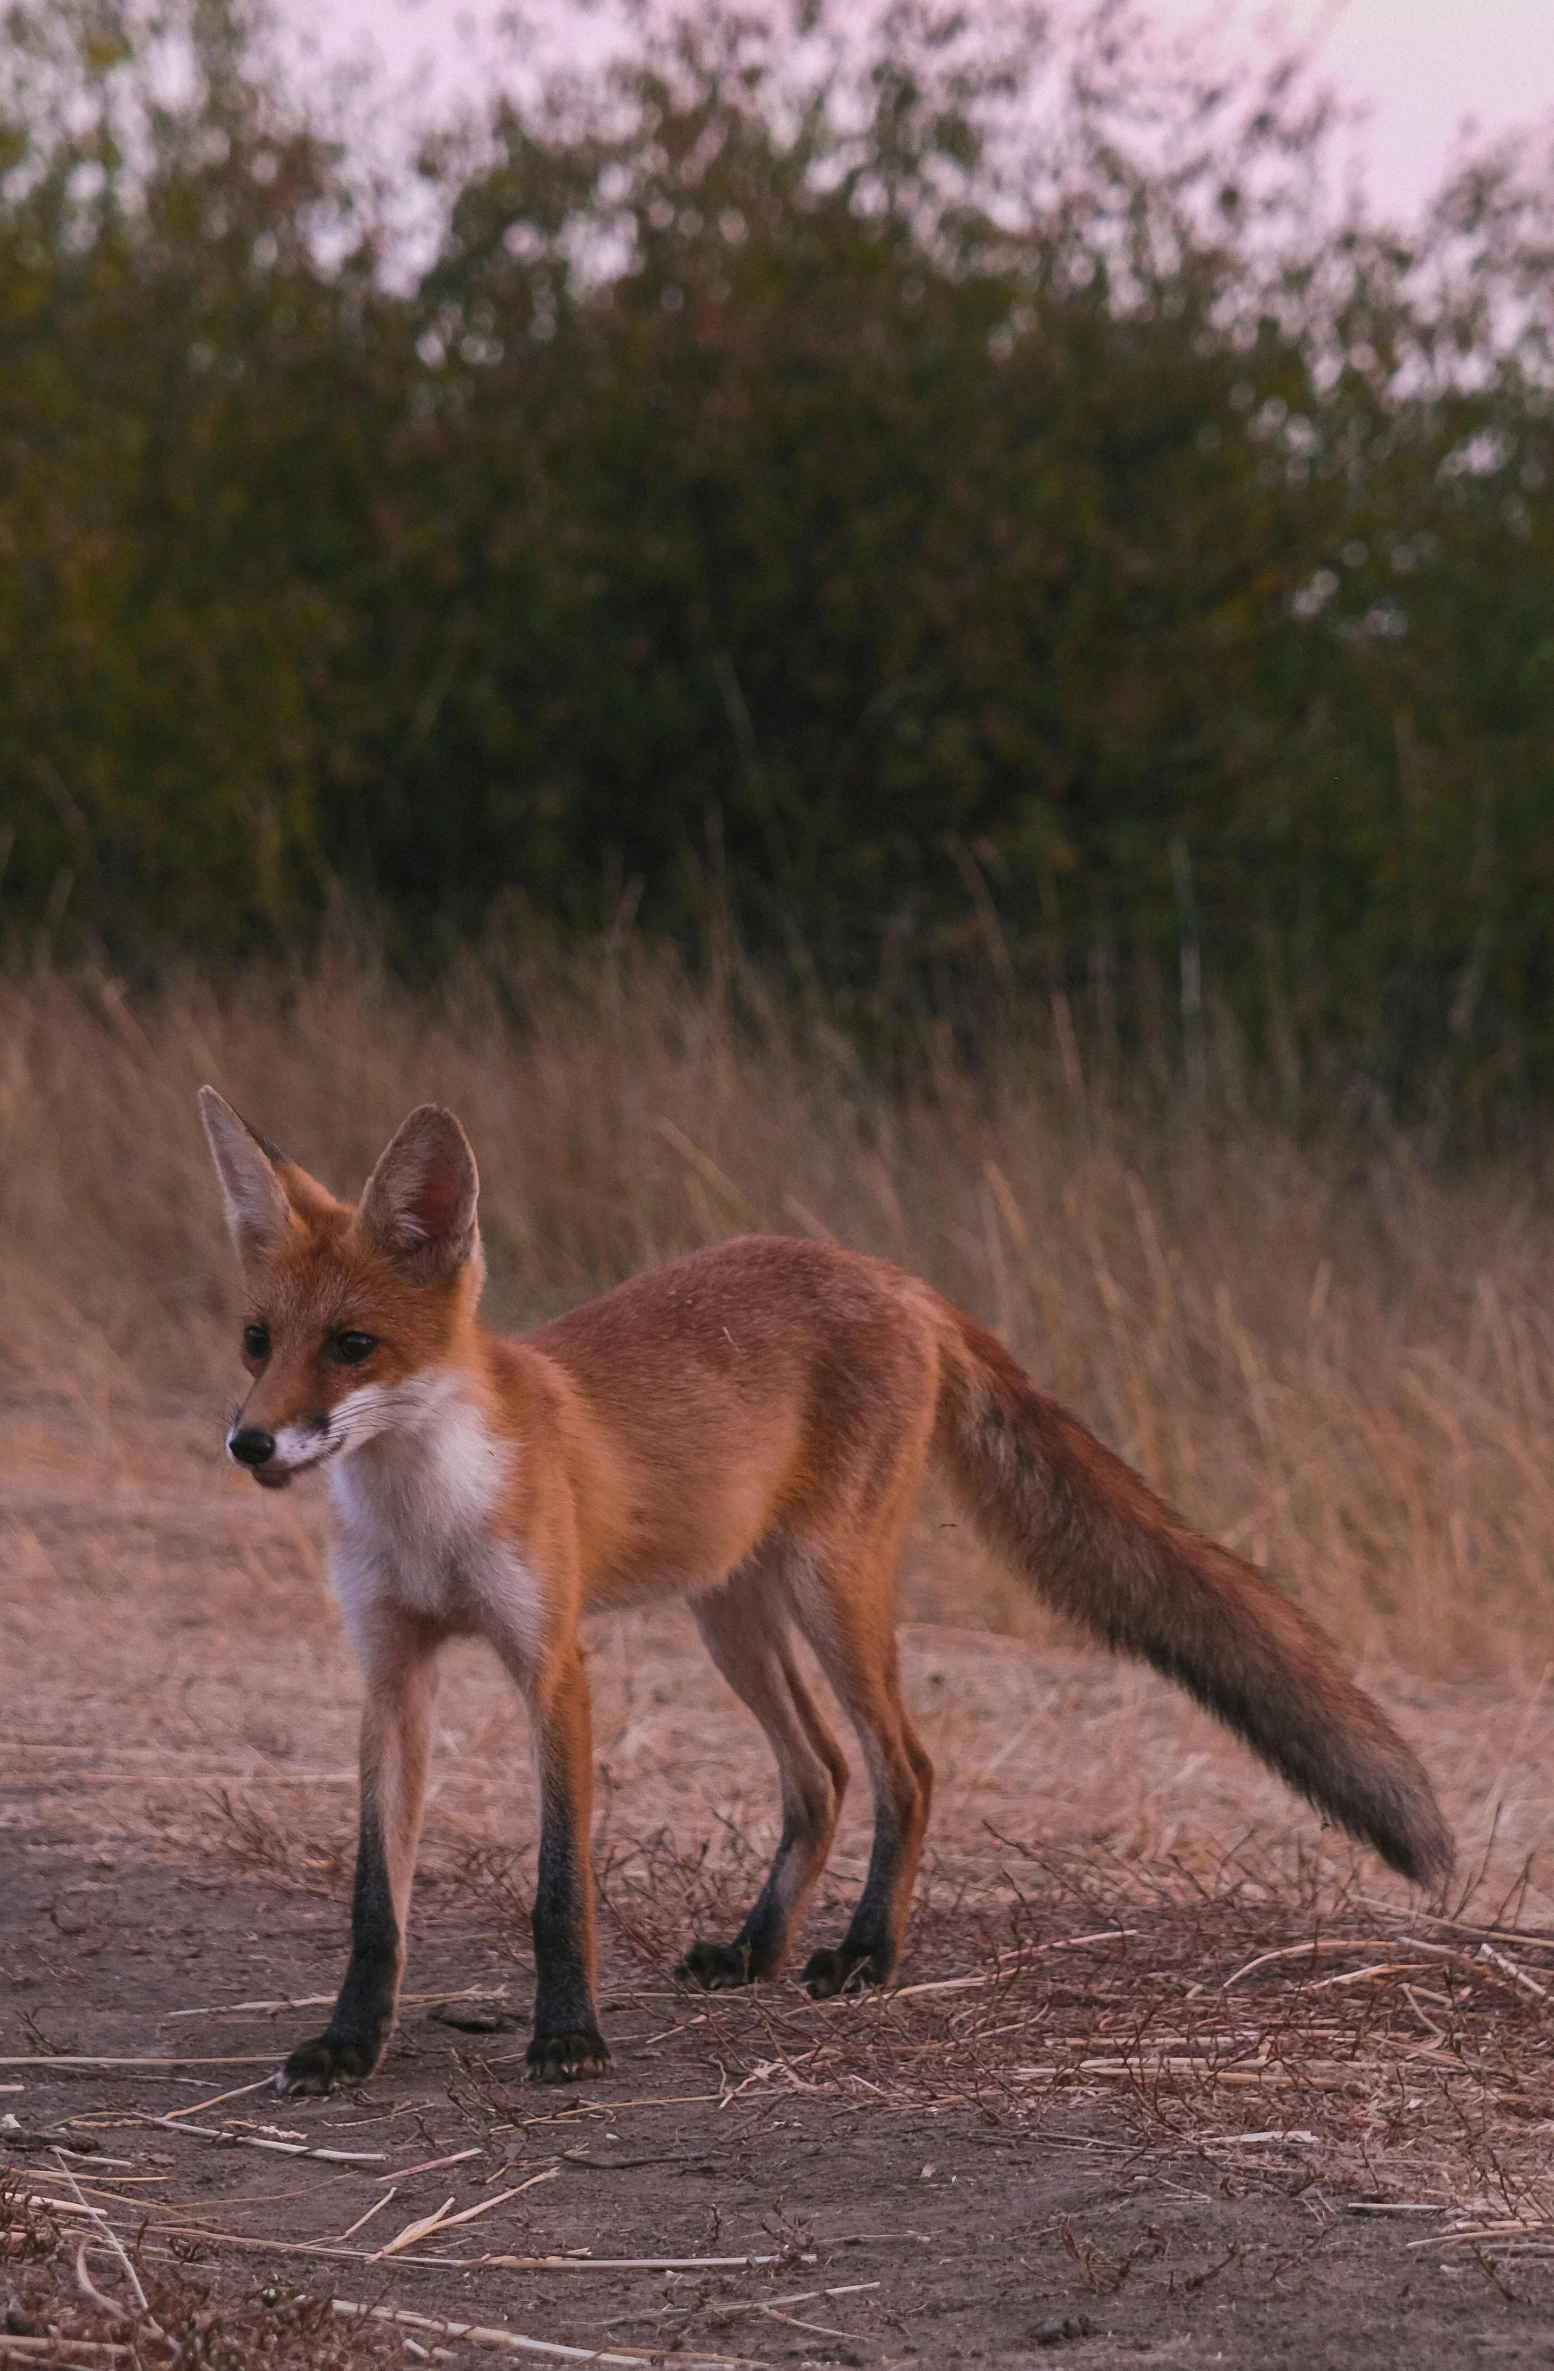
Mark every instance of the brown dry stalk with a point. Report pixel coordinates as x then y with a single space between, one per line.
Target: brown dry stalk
36 2059
254 2140
362 2221
443 2221
241 2091
1320 1946
48 2350
315 2247
473 2334
326 2000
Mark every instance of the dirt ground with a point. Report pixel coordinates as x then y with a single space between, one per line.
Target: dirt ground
1085 2127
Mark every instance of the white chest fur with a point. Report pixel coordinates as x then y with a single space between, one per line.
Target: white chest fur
416 1504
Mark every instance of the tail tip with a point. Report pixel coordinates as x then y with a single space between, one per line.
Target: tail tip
1420 1846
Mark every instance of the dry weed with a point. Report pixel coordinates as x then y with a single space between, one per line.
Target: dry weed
1340 1364
71 2300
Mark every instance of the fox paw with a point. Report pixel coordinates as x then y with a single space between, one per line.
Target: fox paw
831 1972
716 1967
568 2057
316 2067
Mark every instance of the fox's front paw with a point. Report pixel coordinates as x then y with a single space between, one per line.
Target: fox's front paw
316 2067
568 2057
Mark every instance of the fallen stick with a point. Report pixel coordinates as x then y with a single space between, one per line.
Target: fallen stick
402 2173
513 2342
112 2188
267 2059
442 2221
738 2305
1527 1939
703 2162
197 2107
1253 2140
322 2247
102 2224
823 2329
282 2148
362 2221
421 2228
1395 2206
472 2214
287 2247
634 2263
33 2350
1320 1945
1518 1976
326 2000
1478 2232
1017 1960
609 2109
88 2287
1382 1967
1272 2078
1199 2062
93 2159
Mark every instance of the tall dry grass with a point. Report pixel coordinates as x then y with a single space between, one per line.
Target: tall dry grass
1339 1363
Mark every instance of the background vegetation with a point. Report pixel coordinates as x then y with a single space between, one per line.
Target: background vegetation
957 510
1334 1359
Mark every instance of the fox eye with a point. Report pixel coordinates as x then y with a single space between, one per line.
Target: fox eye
256 1341
352 1348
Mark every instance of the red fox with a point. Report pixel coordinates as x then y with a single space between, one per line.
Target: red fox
748 1428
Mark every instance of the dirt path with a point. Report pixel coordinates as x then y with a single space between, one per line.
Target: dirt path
1085 2129
961 2228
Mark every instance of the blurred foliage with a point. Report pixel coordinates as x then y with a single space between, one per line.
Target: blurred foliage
951 503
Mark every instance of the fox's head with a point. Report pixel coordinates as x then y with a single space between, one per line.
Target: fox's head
346 1308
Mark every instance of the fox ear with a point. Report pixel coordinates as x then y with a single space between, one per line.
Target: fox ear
258 1212
418 1206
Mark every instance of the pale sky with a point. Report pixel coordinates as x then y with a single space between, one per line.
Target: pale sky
1419 66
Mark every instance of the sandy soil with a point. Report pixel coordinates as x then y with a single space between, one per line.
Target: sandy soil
1083 2128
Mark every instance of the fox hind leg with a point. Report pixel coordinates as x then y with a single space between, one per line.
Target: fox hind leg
746 1636
849 1617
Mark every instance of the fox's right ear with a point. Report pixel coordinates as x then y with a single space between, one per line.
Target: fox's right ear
258 1212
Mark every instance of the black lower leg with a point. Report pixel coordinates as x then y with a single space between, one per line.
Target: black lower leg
352 2042
867 1952
567 2041
762 1941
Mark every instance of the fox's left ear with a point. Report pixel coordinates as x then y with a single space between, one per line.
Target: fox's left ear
418 1206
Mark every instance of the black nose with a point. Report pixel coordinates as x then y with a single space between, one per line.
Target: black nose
251 1446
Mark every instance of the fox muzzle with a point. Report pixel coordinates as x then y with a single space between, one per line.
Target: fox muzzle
251 1446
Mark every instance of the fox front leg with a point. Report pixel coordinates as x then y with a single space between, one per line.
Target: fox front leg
395 1742
567 2042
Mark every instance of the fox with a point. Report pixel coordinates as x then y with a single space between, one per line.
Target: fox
748 1428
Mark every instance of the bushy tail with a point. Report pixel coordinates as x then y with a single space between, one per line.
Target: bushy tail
1093 1540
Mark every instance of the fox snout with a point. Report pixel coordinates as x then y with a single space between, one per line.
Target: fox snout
250 1445
273 1458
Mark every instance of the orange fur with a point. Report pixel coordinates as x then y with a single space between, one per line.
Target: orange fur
749 1428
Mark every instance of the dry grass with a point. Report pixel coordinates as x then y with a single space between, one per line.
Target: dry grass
72 2297
1334 1361
1339 1364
